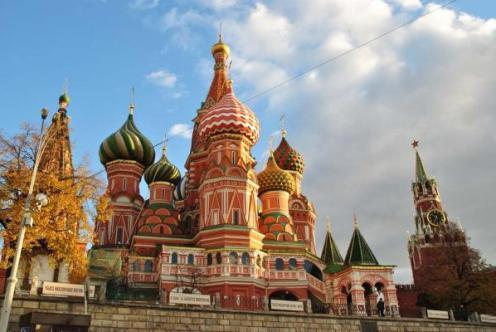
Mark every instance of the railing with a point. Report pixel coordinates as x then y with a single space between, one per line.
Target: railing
142 276
362 310
315 283
243 302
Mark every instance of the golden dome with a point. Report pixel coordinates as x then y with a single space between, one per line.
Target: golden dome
273 178
220 47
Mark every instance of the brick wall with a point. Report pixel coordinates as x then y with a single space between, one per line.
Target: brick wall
136 317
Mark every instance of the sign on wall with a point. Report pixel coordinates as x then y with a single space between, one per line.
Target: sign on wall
488 318
437 314
286 305
62 289
184 298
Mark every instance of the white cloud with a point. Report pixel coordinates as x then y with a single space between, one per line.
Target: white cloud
144 4
182 130
162 78
408 4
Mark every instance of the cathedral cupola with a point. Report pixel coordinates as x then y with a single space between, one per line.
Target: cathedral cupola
288 158
163 171
359 252
127 143
222 112
273 178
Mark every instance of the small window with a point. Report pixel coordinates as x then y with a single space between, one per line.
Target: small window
279 264
118 237
235 217
259 261
124 184
191 259
233 258
136 266
292 264
245 258
174 258
218 258
209 259
148 266
233 157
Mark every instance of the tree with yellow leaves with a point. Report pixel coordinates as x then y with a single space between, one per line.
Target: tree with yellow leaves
61 228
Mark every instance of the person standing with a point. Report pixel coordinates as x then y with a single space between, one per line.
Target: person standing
380 307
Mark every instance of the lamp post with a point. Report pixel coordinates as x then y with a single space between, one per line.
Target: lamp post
26 221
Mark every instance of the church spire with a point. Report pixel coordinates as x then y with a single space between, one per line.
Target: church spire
359 252
420 173
220 83
330 252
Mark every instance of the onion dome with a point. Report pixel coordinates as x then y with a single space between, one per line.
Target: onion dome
220 47
127 143
64 98
229 116
180 191
162 171
273 178
288 158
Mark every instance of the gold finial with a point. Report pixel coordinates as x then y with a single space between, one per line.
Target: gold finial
283 127
329 225
355 221
164 146
131 102
415 143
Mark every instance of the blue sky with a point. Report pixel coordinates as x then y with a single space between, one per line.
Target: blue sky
359 104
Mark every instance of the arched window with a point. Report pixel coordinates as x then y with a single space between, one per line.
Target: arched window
174 258
279 264
209 259
148 266
259 261
136 266
191 259
233 258
245 258
292 263
218 258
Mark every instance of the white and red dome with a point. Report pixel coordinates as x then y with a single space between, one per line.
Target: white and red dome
229 116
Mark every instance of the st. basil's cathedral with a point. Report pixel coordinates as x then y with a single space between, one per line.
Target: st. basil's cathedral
222 229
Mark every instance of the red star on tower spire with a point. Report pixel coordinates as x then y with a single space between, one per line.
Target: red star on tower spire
415 143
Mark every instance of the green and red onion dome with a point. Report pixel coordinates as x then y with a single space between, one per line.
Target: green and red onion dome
273 178
162 171
288 158
229 116
127 143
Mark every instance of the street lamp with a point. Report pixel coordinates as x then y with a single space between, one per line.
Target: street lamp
40 200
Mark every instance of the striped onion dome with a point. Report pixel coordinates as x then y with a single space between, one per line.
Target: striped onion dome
229 116
162 171
127 143
180 191
273 178
288 158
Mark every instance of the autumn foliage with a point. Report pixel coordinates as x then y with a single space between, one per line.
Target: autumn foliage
61 228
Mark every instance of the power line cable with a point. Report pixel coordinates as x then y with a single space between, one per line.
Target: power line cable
340 55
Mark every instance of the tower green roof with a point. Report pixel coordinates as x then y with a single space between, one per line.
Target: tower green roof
420 173
127 143
331 255
359 252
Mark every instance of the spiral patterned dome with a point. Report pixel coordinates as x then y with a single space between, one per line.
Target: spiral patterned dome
162 171
273 178
288 158
229 116
127 143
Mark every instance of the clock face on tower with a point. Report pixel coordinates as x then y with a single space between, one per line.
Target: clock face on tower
435 217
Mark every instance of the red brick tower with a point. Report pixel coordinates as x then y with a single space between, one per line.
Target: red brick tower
435 235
